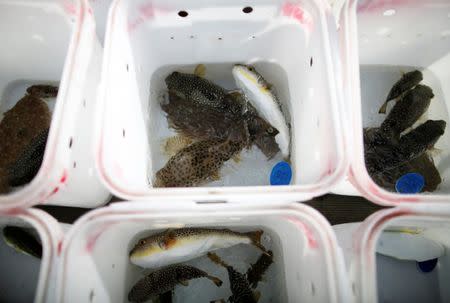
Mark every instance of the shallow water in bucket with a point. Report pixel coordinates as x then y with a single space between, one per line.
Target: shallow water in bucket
20 273
376 82
251 167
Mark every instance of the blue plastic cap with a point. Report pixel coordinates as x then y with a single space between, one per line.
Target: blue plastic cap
428 265
411 183
281 174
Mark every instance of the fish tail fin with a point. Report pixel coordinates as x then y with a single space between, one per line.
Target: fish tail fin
383 107
255 236
215 280
216 259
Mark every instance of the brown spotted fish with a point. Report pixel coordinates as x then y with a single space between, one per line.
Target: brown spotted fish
43 91
197 90
257 270
200 122
164 280
196 164
27 165
180 245
240 287
408 81
407 111
19 127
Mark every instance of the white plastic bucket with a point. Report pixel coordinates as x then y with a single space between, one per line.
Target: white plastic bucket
289 44
307 266
382 40
55 42
387 248
25 278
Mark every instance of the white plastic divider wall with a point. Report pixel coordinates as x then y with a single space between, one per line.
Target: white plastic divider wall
308 264
289 41
57 44
23 275
380 44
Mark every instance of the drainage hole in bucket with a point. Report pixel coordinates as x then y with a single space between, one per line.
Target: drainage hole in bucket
74 164
191 36
123 132
219 38
311 61
84 102
127 67
172 38
183 14
247 9
70 142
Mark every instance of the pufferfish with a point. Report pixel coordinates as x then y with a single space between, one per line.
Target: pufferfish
197 163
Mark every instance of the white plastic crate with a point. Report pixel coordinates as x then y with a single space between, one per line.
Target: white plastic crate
25 278
55 42
288 42
381 39
308 265
386 248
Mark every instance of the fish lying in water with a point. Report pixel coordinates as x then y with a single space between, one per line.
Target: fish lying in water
260 95
180 245
196 164
407 81
164 280
230 116
20 125
203 123
240 287
412 145
199 90
257 270
22 241
407 111
388 153
27 165
43 91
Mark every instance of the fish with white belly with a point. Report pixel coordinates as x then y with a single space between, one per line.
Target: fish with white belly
260 95
179 245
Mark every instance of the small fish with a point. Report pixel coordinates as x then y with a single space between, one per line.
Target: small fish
407 111
164 280
197 163
422 138
197 89
22 241
257 270
408 81
204 123
180 245
380 158
260 95
43 91
240 288
27 165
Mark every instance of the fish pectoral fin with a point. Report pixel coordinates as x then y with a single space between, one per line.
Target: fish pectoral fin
257 295
383 108
215 176
168 240
200 70
237 158
184 282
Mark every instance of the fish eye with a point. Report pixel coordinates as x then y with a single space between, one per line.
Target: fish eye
270 130
142 242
